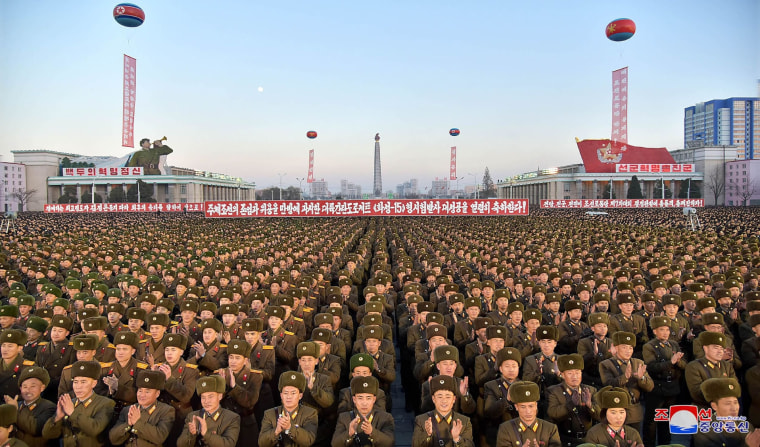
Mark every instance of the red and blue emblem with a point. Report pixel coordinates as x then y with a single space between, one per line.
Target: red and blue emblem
454 132
311 134
129 15
620 30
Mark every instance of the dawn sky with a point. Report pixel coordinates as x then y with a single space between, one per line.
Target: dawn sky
520 80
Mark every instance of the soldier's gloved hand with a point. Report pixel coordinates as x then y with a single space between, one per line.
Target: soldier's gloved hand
576 399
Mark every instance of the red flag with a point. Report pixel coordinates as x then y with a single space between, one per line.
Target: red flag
130 87
620 105
603 155
310 177
453 166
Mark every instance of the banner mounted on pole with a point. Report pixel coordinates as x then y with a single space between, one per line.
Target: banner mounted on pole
620 105
310 177
130 87
453 165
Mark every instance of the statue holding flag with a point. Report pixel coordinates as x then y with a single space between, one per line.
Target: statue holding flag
150 159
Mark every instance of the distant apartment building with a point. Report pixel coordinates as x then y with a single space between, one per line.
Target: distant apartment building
408 189
725 122
350 190
14 181
742 183
319 190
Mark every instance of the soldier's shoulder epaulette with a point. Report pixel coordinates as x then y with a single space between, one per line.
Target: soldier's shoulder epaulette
308 309
144 340
106 364
298 319
71 343
267 347
142 365
222 345
110 345
43 343
174 323
28 363
289 333
68 366
191 365
257 371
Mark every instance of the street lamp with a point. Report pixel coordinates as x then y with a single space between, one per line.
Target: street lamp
300 191
474 179
458 179
281 176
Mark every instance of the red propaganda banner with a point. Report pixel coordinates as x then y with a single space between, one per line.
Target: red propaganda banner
358 208
603 155
130 89
103 172
310 177
453 166
623 203
72 208
685 168
620 105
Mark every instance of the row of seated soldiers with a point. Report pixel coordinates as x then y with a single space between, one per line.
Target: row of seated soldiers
660 353
252 359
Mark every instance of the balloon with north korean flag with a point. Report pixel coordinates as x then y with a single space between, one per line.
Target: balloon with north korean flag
620 29
129 15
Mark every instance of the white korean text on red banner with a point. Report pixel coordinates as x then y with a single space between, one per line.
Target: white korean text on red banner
624 203
103 172
130 89
351 208
123 207
656 168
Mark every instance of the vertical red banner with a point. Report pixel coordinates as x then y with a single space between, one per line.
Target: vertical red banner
310 177
620 105
453 165
130 89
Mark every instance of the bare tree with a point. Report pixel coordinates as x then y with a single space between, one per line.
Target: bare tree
716 182
23 197
746 191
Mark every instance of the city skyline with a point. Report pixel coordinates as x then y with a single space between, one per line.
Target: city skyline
235 88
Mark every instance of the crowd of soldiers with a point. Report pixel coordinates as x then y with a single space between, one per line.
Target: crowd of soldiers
547 330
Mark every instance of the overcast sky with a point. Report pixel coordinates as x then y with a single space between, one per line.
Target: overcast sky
235 85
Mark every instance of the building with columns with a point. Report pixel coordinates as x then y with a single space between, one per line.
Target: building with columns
179 185
572 182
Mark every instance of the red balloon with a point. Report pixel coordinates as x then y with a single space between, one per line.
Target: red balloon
620 29
311 134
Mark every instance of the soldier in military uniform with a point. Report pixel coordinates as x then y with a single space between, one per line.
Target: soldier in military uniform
570 404
360 366
595 348
208 353
527 429
290 322
81 419
36 327
114 313
364 425
262 356
149 421
627 321
526 341
180 381
723 395
213 424
283 342
151 349
33 410
542 368
290 424
613 430
244 390
443 426
136 321
338 338
665 364
497 406
148 158
628 373
328 364
447 362
384 364
119 375
8 420
318 393
13 362
187 325
105 351
710 366
572 329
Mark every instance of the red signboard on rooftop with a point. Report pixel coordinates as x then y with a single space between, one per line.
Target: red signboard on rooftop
604 155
